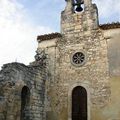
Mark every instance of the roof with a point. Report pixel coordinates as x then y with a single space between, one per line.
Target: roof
48 36
59 35
110 26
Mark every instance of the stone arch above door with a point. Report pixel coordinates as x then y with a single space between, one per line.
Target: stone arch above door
86 87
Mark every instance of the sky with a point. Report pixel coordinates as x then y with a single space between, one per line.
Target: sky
21 21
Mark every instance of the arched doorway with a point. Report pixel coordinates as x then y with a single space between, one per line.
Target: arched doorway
25 103
79 103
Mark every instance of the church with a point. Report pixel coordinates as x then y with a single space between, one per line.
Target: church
75 75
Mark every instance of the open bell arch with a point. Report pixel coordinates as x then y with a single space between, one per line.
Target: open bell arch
70 4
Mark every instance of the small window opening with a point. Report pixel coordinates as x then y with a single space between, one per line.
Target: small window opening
25 103
78 5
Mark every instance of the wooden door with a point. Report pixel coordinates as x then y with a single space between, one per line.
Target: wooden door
79 103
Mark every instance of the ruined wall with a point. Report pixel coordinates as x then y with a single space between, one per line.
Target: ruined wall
13 77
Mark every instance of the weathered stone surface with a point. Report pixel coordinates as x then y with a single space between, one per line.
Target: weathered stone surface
44 89
13 77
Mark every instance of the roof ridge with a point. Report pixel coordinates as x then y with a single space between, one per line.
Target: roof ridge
112 25
48 36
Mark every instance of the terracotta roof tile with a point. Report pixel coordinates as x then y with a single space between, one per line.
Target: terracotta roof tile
48 36
110 26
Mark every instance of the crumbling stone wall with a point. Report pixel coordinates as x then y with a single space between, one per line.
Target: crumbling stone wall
13 77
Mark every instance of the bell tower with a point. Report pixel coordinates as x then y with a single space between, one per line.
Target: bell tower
77 65
79 15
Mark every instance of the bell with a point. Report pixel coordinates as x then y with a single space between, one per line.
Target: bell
79 8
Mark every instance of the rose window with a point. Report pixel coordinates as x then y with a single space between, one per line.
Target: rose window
78 58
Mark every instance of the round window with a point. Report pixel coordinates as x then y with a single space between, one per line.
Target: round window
78 58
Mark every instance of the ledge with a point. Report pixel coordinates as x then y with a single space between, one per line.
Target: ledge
48 36
109 26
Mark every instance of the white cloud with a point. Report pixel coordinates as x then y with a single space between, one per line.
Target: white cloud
108 9
17 35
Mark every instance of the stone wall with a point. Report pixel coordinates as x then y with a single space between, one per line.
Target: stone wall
15 76
80 32
50 80
93 75
112 36
112 111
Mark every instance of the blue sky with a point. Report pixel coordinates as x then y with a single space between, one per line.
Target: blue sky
44 12
22 20
47 13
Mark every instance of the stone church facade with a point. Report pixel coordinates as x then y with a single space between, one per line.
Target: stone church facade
75 75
